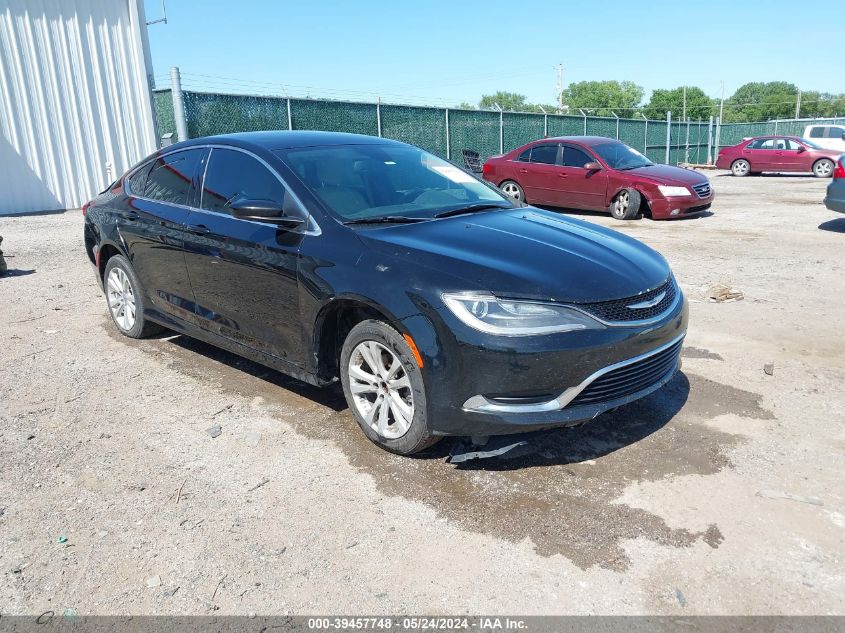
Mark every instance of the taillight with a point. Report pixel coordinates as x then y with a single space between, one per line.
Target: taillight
85 207
839 172
486 169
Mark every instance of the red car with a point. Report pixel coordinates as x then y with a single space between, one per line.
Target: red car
777 153
599 174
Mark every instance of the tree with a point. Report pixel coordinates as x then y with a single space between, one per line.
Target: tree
509 101
699 105
601 98
463 105
758 101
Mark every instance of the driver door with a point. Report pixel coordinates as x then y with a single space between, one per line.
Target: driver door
244 272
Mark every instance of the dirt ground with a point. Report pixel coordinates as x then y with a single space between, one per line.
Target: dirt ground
722 493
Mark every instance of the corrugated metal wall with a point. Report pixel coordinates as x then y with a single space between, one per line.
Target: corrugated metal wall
74 96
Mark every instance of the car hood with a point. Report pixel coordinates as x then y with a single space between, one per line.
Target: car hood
668 175
526 253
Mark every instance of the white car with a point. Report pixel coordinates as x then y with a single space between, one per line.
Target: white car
827 136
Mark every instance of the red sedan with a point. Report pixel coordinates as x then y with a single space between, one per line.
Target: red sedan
777 153
599 174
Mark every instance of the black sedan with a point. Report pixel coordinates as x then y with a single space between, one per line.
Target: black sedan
443 307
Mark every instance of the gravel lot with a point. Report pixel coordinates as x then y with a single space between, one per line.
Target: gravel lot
722 493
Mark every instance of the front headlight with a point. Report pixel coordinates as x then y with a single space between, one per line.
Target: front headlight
516 318
673 191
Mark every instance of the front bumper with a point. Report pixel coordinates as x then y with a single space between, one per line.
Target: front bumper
676 208
480 384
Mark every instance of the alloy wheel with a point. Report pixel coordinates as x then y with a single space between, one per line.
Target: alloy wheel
121 298
741 168
823 168
512 189
381 389
623 200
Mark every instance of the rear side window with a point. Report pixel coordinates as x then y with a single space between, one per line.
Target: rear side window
232 176
138 180
574 157
546 154
835 132
171 176
817 132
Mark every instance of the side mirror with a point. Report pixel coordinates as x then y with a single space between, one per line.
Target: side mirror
801 148
592 166
843 136
263 211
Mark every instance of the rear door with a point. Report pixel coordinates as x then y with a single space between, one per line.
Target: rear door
244 272
581 188
153 224
540 177
760 153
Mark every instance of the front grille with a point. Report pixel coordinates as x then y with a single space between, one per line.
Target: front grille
630 379
697 209
619 310
703 190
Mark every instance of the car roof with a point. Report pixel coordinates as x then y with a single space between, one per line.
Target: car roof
283 139
583 140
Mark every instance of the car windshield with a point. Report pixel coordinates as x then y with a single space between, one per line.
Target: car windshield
389 182
620 156
810 143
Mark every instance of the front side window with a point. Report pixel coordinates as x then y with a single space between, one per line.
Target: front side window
171 176
574 157
367 181
780 143
545 154
835 132
794 145
817 132
232 176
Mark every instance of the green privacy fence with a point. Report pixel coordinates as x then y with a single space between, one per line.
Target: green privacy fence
446 132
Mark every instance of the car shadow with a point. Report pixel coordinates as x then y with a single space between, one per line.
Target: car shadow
605 214
605 434
16 272
330 396
837 225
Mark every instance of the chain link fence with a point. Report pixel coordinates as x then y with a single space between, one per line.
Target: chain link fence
446 132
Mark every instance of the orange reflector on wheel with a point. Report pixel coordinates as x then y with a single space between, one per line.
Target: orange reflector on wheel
414 349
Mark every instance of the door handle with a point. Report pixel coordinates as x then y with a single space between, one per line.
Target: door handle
523 171
563 175
198 229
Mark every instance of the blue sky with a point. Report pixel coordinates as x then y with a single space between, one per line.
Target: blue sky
445 52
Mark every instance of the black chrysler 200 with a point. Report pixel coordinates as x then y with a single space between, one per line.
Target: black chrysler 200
441 306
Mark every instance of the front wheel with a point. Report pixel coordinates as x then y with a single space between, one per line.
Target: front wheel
513 190
626 204
384 388
823 168
740 167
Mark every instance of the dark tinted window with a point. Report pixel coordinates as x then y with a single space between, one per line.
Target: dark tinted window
546 154
835 132
170 178
232 176
574 157
817 132
138 180
525 156
762 143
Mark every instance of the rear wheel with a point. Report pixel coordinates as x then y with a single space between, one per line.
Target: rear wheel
823 168
384 388
740 167
626 204
126 299
513 190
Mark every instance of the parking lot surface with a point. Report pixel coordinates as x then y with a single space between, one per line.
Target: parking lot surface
721 493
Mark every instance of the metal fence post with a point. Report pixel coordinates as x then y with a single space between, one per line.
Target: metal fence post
178 104
584 114
668 134
710 141
448 140
378 116
501 131
617 124
718 136
776 126
290 118
686 151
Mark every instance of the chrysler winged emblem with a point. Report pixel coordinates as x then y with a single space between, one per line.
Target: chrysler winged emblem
648 303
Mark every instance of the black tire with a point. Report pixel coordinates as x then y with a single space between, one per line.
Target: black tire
740 168
515 189
418 435
626 204
140 326
823 168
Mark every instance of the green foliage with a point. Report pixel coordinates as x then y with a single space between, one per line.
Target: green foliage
510 102
758 101
699 105
601 98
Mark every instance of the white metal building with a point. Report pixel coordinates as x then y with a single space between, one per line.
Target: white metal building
75 102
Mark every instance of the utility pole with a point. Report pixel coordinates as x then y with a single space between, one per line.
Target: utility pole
798 106
560 88
684 115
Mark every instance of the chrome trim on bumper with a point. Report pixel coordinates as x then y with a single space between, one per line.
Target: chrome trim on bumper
481 404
